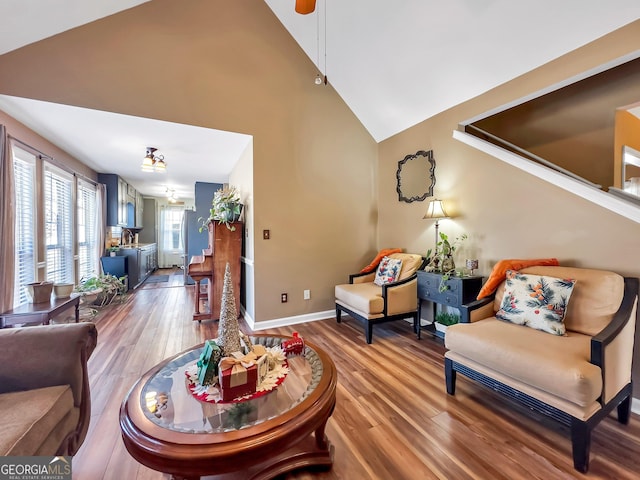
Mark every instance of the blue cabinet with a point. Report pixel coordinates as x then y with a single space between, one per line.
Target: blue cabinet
116 266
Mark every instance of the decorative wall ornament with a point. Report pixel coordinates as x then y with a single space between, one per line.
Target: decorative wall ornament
416 177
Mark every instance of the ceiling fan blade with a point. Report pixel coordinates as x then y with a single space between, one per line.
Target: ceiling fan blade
304 7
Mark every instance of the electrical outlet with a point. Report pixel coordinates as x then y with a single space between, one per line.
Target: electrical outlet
307 294
266 234
283 297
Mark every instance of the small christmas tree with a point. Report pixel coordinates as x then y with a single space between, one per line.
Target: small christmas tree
228 329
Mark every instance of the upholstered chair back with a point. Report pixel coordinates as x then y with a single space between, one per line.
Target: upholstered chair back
596 296
410 263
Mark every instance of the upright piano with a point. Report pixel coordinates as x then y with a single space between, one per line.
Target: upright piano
225 245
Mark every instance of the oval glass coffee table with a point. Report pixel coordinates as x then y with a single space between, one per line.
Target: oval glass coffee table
167 429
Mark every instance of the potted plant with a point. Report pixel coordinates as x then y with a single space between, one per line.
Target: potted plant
225 208
443 320
101 290
442 260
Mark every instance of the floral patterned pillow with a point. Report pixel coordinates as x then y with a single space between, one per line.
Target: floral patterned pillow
536 301
388 270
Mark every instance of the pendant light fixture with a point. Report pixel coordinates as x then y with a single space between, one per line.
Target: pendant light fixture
320 79
152 162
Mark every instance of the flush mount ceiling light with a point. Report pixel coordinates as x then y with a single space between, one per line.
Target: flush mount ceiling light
152 162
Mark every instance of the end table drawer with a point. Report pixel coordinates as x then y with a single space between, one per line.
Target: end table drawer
459 290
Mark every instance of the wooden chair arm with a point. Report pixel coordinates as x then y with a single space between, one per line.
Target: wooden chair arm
467 309
620 319
362 277
613 344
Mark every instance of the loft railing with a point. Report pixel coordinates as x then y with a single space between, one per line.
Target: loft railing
478 132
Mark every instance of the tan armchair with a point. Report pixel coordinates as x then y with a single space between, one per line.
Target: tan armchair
44 388
577 378
369 303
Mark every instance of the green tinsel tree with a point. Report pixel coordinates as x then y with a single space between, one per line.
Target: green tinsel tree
228 328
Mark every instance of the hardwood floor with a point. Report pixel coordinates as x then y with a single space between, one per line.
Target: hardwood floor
393 418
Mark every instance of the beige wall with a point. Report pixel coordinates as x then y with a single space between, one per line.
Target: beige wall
242 178
232 66
506 212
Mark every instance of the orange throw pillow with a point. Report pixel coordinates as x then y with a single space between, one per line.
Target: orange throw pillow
382 253
499 272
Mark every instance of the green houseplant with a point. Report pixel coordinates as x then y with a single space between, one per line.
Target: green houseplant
442 259
225 208
444 320
103 288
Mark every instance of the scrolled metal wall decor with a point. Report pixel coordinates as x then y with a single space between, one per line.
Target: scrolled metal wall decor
416 177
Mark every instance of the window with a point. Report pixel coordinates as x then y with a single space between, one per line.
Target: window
24 171
172 229
87 230
58 223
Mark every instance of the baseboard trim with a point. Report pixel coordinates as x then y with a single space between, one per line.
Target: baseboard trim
283 322
635 405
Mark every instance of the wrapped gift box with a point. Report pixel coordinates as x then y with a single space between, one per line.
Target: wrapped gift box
240 379
262 362
208 363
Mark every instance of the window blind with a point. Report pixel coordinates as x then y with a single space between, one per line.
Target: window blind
87 231
171 233
24 172
58 224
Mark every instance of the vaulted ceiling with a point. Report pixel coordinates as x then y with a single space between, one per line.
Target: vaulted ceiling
394 64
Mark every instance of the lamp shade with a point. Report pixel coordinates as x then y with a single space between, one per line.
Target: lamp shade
147 164
436 210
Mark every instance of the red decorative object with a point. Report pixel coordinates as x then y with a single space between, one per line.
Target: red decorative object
238 381
216 396
294 346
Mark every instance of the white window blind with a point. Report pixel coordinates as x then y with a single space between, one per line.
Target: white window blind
171 234
24 171
58 224
87 231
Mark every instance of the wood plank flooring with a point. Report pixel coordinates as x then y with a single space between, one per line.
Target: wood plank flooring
393 419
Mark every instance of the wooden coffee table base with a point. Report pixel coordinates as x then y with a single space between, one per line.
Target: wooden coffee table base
305 454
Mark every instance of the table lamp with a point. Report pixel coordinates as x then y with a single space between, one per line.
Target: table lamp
436 210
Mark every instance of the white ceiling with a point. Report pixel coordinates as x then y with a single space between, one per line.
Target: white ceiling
115 143
395 64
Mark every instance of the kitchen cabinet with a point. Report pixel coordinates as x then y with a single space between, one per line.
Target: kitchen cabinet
116 199
142 262
148 260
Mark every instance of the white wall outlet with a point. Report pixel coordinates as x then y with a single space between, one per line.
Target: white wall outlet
307 294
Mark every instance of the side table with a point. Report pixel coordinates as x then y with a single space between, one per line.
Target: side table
40 312
458 291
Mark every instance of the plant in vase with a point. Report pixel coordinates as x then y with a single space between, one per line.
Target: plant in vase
225 208
442 259
102 289
444 320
